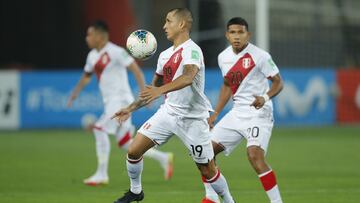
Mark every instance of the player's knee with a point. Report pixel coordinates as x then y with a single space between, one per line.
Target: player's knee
133 153
208 171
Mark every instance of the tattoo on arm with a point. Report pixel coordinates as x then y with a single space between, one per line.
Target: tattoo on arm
190 70
137 104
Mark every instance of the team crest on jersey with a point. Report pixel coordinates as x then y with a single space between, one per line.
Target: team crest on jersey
246 63
176 58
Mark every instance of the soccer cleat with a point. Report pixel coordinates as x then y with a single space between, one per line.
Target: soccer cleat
169 168
96 180
206 200
130 197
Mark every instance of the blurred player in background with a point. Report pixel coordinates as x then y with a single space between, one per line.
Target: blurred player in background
246 70
110 63
180 76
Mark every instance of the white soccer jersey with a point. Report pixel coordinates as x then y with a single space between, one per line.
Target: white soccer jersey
247 74
109 64
190 101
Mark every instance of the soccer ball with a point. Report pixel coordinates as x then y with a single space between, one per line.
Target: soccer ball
141 44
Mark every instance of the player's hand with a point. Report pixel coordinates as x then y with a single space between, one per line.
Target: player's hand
150 94
211 120
122 115
258 102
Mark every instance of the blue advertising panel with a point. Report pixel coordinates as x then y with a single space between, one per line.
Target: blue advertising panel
44 98
308 97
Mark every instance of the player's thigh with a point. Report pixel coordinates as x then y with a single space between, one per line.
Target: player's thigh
159 128
227 132
139 146
258 132
227 138
195 135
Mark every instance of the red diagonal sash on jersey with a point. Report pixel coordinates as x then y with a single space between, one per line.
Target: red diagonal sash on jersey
239 71
101 64
171 66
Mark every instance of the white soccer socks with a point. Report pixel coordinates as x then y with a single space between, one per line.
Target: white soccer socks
268 181
220 186
102 151
210 193
134 168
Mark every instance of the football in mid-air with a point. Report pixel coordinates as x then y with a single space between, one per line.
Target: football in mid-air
141 44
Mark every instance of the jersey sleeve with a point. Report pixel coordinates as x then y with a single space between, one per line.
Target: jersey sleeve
192 56
159 66
124 58
268 67
220 62
88 66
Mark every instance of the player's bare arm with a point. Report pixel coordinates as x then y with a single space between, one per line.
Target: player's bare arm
84 80
151 93
139 76
124 114
157 80
275 89
224 96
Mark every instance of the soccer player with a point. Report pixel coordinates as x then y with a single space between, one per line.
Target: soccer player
180 78
110 63
246 70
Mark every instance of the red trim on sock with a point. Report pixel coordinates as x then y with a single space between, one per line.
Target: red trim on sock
132 161
126 138
203 179
213 179
268 181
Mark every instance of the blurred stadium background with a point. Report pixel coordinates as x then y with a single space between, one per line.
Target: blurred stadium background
44 155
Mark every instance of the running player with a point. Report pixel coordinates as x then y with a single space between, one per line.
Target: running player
110 62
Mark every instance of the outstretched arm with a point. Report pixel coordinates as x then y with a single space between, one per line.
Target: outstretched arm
276 87
151 93
84 80
224 96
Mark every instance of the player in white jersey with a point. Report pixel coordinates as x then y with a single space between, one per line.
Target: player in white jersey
246 70
110 63
180 77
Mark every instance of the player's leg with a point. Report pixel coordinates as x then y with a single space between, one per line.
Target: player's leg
258 136
151 133
134 165
196 137
102 145
124 138
210 195
212 175
226 139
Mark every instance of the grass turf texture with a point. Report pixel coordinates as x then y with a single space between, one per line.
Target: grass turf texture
313 165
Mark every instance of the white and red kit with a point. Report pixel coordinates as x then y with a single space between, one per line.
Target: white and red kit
247 73
110 66
184 111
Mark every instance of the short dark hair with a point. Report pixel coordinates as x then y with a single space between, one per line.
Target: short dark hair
100 26
237 21
185 14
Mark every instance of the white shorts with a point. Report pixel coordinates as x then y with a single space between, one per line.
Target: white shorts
232 129
111 126
194 133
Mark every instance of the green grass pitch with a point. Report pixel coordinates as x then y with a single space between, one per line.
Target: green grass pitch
313 165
